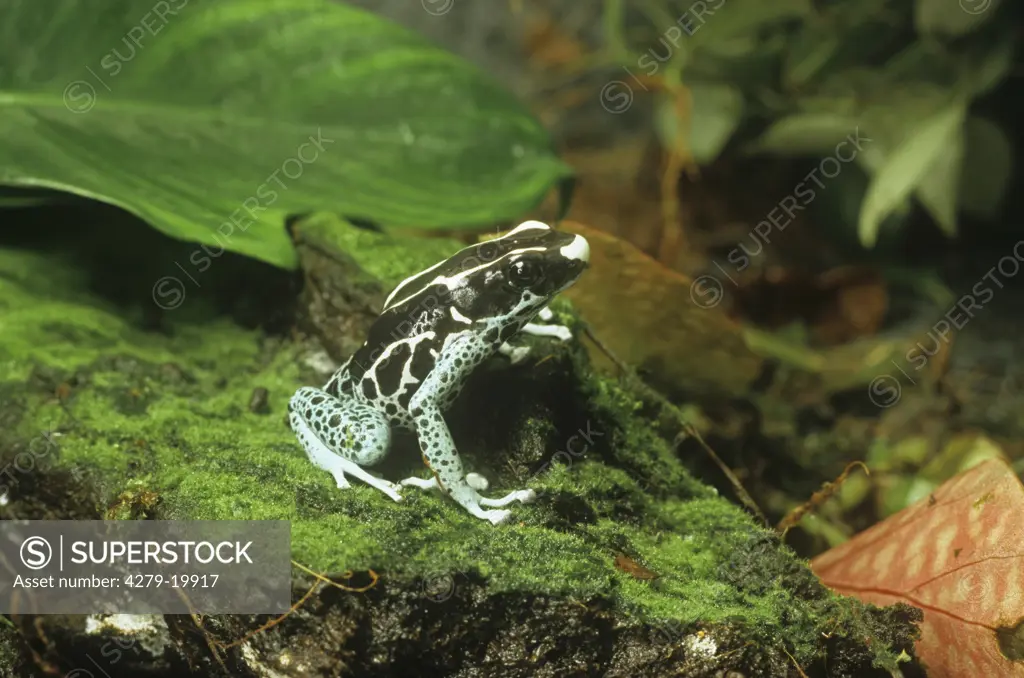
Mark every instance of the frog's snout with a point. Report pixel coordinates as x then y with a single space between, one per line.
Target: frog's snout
575 258
578 249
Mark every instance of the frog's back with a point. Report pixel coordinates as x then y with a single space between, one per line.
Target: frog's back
401 350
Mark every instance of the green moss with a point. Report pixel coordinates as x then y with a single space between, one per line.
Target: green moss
11 657
167 413
635 444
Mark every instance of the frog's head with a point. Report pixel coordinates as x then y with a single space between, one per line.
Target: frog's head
509 278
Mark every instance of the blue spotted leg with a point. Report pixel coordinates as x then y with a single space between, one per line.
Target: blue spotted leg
342 437
443 460
436 444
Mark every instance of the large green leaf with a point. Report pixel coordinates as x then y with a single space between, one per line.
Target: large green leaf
21 197
939 187
985 67
809 54
806 134
194 115
907 167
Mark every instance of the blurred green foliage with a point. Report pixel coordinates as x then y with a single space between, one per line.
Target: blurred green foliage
799 77
216 121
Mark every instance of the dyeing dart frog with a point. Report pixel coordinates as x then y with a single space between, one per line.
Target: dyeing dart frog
435 328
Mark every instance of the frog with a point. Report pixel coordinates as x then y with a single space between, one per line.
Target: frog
436 327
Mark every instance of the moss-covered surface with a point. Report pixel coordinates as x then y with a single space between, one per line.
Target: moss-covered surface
626 565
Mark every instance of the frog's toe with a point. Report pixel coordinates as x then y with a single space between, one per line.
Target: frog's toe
477 482
515 353
392 490
522 496
342 481
526 496
474 480
422 483
497 517
560 332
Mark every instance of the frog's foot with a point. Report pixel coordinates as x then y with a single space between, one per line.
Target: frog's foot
341 438
338 467
474 480
560 332
422 483
477 482
496 517
443 460
518 353
476 509
515 353
344 466
476 504
522 496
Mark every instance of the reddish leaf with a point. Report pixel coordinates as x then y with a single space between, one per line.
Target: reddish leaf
959 556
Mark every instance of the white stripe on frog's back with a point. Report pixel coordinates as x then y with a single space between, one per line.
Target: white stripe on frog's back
454 281
404 283
407 284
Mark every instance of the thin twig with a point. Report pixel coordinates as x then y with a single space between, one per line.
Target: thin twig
741 492
827 491
680 159
348 575
795 663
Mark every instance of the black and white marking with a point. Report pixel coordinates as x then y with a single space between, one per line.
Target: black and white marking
436 327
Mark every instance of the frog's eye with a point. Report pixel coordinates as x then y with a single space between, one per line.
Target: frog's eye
523 274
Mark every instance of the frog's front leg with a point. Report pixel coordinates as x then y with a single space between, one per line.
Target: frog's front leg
341 437
443 460
475 480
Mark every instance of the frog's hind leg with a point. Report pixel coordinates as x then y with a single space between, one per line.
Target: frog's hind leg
340 437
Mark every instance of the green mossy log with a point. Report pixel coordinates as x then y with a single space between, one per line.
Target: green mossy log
626 565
